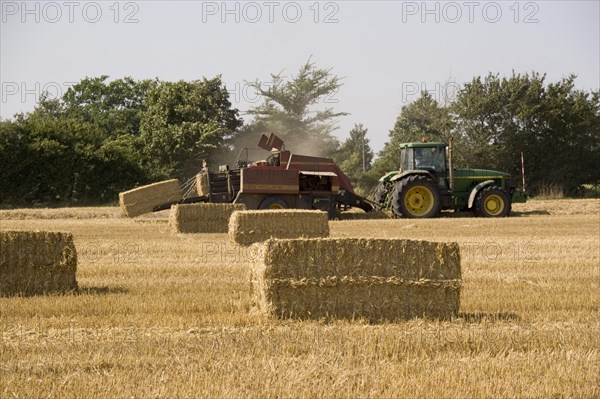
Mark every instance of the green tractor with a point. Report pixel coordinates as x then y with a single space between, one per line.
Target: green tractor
427 183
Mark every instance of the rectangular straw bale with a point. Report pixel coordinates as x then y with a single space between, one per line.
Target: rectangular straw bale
202 218
143 199
37 262
249 227
375 279
407 259
202 184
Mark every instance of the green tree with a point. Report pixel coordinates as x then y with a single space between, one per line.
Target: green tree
424 118
555 125
75 149
355 155
113 111
115 106
183 123
103 137
570 139
489 112
297 111
63 159
16 159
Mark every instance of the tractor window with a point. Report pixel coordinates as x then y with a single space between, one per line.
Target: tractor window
430 158
439 159
424 158
407 161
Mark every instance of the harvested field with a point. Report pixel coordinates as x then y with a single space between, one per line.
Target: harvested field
202 218
164 315
558 207
249 227
61 213
371 279
143 199
37 262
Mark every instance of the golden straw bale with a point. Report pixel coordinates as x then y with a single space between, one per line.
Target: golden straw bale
374 279
202 184
202 218
37 262
248 227
143 199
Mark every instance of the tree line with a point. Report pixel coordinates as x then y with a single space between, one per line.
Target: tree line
494 119
105 136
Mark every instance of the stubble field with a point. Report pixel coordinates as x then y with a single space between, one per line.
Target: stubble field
166 315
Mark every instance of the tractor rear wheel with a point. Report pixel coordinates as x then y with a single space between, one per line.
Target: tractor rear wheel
273 202
492 202
416 197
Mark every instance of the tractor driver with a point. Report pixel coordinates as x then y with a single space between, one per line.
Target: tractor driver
423 157
273 159
420 158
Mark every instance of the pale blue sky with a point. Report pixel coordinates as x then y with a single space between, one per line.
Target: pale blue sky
385 50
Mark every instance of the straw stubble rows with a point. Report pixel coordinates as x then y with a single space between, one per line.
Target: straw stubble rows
163 314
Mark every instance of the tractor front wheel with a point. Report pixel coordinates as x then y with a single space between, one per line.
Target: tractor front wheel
492 202
416 197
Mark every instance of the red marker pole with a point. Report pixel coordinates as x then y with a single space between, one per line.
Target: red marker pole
523 170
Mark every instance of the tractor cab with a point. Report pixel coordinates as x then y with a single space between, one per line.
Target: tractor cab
430 157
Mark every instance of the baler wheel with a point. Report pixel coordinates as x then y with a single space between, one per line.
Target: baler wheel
273 202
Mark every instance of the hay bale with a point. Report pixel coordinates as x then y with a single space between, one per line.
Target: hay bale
249 227
374 279
37 262
143 199
202 218
202 184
